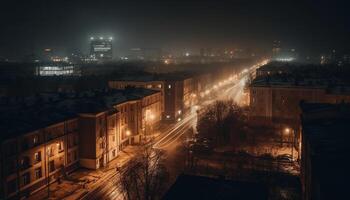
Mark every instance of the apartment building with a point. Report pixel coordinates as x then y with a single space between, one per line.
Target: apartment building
277 91
37 156
146 83
43 139
177 92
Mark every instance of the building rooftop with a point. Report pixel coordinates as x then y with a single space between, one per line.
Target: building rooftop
333 78
23 115
199 187
326 130
173 76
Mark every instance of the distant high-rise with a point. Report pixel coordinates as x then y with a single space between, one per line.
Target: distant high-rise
276 49
101 48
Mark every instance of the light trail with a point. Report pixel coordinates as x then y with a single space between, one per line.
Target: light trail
235 92
112 188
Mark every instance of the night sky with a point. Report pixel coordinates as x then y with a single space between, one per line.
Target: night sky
308 26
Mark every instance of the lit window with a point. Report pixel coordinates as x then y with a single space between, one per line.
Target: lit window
35 139
37 156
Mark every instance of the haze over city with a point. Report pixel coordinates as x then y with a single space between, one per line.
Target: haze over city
312 27
168 100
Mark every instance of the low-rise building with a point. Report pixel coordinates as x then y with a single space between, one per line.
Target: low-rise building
47 136
277 92
177 92
37 148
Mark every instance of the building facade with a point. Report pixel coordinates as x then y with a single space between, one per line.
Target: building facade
86 130
35 159
101 48
176 94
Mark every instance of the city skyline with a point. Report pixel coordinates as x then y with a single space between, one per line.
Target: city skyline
310 27
174 99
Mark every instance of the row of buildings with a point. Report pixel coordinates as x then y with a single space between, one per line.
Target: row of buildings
46 136
311 102
179 91
49 135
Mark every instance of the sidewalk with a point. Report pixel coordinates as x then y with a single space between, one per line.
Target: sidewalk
83 181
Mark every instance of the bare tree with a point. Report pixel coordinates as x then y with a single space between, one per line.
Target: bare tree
145 177
221 121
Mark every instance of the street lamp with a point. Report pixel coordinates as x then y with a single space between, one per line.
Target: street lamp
148 121
128 133
289 132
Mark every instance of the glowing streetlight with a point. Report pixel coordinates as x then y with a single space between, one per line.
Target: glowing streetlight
92 38
287 130
128 133
101 38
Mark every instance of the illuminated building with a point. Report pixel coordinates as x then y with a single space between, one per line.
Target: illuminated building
175 92
58 69
58 133
101 48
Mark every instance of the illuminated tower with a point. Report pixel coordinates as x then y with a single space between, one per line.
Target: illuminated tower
101 48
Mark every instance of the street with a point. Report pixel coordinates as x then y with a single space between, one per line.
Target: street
169 139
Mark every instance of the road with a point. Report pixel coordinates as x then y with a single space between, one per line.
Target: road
228 89
231 88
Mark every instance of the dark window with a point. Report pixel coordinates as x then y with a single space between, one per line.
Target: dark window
24 162
75 157
69 159
38 173
51 166
25 178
